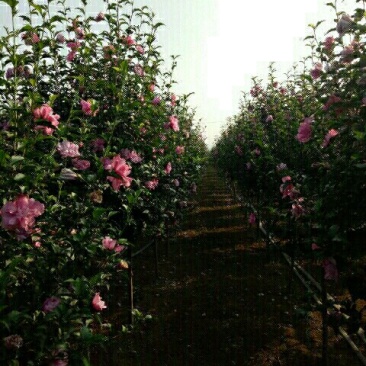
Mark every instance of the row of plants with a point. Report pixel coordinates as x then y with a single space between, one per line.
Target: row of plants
297 151
96 152
297 148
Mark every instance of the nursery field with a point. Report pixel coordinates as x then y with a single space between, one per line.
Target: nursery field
221 298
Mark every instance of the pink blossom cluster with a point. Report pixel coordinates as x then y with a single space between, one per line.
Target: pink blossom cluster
97 303
173 123
138 70
330 134
45 112
344 24
111 244
329 43
86 107
98 144
316 71
51 304
19 215
179 150
252 218
121 168
74 46
68 149
131 155
30 38
168 168
305 131
331 100
152 184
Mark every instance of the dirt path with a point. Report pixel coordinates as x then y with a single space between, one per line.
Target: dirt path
219 300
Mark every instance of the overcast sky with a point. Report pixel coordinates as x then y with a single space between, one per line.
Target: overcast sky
224 43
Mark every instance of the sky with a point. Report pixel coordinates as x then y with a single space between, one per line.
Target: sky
222 44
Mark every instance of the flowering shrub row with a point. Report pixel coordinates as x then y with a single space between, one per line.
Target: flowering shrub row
297 148
95 151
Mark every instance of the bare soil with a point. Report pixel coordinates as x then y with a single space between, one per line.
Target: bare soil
221 298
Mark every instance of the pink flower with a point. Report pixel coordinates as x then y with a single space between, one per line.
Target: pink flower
252 219
97 303
257 151
330 269
152 184
363 101
86 107
347 54
156 100
13 341
19 215
60 38
140 49
100 17
255 91
45 113
281 166
329 43
152 87
68 149
119 248
173 100
70 56
129 41
173 123
179 150
304 132
331 133
344 24
331 100
138 70
287 190
176 182
168 168
80 33
269 118
297 208
314 246
97 144
108 51
30 38
50 304
109 243
119 166
135 157
81 164
74 45
316 71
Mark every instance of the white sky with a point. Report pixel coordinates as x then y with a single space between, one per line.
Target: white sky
224 43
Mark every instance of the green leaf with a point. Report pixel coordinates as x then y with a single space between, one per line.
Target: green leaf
98 212
12 3
16 158
19 176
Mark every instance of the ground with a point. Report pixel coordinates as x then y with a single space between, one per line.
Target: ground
220 299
